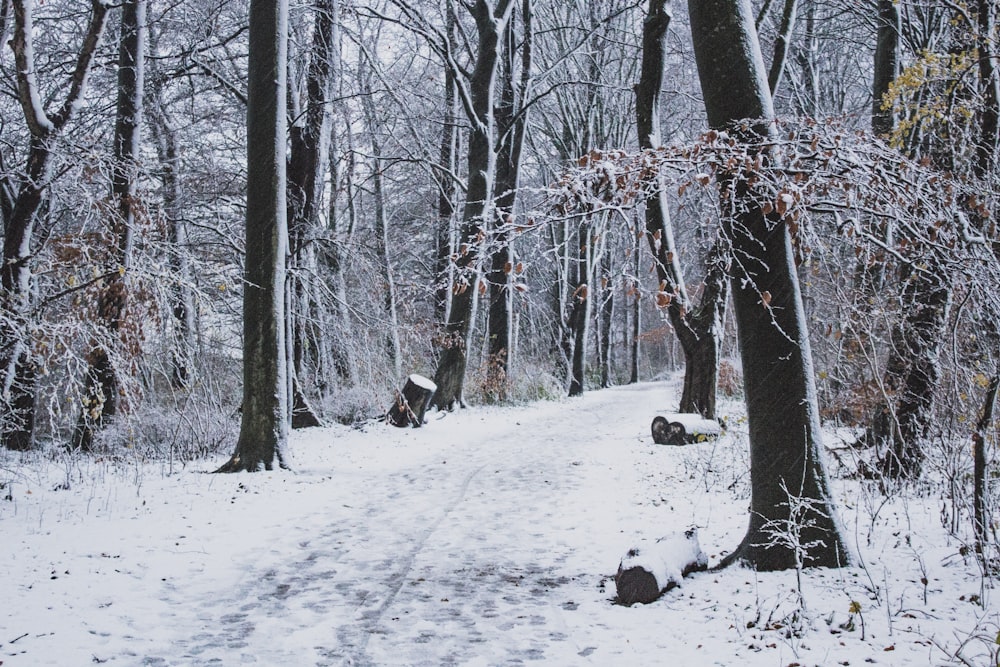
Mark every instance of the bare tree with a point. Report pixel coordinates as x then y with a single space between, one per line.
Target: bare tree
265 417
102 391
786 446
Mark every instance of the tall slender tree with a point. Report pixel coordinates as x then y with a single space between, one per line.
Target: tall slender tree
786 449
478 101
102 388
699 327
265 416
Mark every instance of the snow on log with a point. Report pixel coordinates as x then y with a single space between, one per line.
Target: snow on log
411 403
683 428
646 572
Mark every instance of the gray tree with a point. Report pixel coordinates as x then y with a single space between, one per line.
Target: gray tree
785 440
265 420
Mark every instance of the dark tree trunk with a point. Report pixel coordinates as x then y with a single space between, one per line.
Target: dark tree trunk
450 374
411 403
989 86
886 65
579 315
912 371
781 45
981 521
699 328
785 439
511 120
21 213
102 391
445 178
264 424
308 162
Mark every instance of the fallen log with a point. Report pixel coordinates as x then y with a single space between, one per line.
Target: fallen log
411 403
648 571
683 429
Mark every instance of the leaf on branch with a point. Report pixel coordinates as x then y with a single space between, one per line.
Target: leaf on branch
765 298
663 299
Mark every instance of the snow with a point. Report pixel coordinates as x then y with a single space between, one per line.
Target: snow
423 382
489 537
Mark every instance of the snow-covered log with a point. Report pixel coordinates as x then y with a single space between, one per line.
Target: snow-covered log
411 403
646 572
683 429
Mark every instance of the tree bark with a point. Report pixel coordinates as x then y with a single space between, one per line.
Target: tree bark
698 327
980 512
445 179
478 102
102 389
265 421
579 315
785 439
886 66
21 215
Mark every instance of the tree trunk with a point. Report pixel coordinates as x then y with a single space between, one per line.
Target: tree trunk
912 371
886 65
450 374
636 318
102 391
785 439
411 403
264 424
606 318
781 45
391 328
511 121
21 212
981 521
699 328
579 316
183 348
445 179
988 141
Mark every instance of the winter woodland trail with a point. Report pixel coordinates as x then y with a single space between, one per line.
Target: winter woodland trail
428 561
487 537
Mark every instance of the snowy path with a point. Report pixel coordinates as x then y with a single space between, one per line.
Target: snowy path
485 538
464 554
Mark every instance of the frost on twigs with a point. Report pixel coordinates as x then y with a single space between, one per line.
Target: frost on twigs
647 571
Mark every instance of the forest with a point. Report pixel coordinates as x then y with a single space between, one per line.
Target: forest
222 224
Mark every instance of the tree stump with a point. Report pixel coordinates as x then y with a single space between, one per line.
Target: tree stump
683 429
646 572
412 402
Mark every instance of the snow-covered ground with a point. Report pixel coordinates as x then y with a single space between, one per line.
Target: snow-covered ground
489 537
